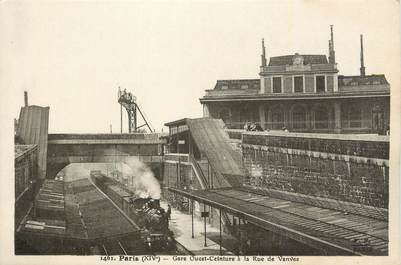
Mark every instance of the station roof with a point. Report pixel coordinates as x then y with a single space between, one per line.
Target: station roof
362 80
44 226
350 94
176 122
288 59
332 231
115 138
88 214
238 84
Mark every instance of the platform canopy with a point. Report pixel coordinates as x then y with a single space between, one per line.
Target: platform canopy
331 231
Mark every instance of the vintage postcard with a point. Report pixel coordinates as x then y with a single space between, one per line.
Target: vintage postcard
258 132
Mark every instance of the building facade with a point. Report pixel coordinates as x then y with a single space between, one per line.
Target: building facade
303 93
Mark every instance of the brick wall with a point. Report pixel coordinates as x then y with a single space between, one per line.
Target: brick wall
325 168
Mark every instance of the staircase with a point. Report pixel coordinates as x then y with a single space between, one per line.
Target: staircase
224 161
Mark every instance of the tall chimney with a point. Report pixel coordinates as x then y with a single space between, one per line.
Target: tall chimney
263 56
362 69
26 98
332 53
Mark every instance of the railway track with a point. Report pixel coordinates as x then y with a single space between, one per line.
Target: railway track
121 247
113 248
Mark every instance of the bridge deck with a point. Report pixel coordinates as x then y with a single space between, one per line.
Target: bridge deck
325 229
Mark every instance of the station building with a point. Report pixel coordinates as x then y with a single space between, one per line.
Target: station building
303 93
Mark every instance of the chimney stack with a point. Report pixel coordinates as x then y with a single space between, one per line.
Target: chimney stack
26 98
362 69
263 56
332 53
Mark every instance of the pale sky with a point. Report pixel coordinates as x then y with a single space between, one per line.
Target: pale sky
72 56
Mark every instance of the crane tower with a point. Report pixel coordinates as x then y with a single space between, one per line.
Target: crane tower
128 101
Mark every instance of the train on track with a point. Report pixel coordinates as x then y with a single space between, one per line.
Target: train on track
145 212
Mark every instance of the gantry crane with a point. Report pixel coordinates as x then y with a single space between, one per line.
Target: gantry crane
128 101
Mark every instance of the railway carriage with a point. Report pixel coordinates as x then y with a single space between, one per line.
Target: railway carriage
145 212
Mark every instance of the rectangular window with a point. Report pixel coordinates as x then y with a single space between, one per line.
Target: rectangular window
320 83
224 87
298 84
276 84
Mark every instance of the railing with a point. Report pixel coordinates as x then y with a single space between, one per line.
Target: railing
230 92
176 157
313 67
370 146
208 185
198 169
306 125
102 136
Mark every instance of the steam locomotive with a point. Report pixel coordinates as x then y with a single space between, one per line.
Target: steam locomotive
145 212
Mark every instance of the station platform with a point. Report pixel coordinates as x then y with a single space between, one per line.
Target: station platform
331 231
180 224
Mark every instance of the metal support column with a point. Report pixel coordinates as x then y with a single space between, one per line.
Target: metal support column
204 210
211 179
239 235
179 168
192 217
337 117
208 174
221 251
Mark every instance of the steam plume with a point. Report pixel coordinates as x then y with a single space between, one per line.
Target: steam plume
142 180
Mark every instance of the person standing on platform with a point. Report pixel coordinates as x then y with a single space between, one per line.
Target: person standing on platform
169 211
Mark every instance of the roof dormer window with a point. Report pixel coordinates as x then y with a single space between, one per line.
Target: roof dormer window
277 84
320 83
298 84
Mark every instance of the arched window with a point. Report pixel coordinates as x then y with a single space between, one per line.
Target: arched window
277 118
224 114
321 118
249 113
377 118
355 117
298 117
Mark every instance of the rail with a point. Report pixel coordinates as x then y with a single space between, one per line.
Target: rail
357 124
113 248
